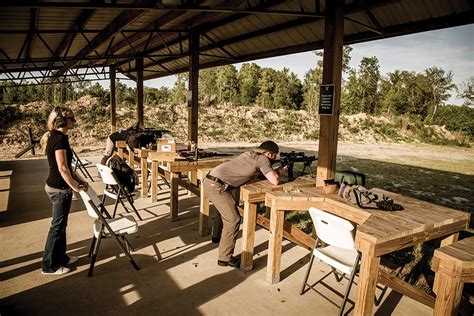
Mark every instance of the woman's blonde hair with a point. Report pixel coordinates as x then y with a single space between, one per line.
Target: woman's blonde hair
56 119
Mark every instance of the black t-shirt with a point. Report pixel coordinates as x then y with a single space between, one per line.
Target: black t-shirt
57 141
120 135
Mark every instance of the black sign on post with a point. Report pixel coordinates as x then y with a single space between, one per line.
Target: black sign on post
326 99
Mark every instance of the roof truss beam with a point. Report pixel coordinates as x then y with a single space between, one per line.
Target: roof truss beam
152 5
198 19
33 26
408 28
351 8
79 26
113 27
200 22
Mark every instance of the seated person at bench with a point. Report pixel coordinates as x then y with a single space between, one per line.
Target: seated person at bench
222 185
120 135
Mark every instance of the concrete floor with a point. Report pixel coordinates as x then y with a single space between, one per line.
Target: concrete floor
178 275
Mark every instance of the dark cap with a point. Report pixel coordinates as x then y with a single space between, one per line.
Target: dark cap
267 146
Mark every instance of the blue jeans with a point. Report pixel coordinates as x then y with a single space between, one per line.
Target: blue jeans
55 248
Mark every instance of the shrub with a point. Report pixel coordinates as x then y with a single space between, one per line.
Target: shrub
10 113
314 135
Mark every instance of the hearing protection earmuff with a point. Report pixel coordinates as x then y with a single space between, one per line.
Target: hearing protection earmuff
59 120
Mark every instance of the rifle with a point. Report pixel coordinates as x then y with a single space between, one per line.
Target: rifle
289 159
202 153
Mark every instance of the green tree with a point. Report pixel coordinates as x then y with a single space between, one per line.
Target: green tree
10 95
441 83
352 94
248 77
154 96
266 86
346 57
179 93
207 85
456 118
311 83
227 84
368 80
98 91
465 90
287 92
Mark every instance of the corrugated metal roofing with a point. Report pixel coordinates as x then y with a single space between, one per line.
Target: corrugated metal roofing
55 36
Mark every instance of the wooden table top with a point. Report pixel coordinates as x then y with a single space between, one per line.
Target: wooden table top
255 191
417 222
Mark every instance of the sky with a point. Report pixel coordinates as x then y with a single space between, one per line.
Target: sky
450 49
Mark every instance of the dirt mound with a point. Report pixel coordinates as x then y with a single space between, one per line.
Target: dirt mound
217 123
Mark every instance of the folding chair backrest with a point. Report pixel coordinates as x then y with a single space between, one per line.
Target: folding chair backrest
332 229
107 174
90 198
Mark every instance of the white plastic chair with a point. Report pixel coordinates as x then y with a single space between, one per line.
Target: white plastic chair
105 227
338 250
115 190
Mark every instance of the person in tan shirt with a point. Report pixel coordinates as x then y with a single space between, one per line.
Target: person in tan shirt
222 187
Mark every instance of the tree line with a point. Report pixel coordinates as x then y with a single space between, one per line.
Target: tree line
400 93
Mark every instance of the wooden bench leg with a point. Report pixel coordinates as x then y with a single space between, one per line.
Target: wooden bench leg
174 196
154 181
448 296
248 236
203 212
368 275
274 245
144 171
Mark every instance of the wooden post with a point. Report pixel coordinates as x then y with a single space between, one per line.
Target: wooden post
248 236
139 65
193 87
332 68
113 106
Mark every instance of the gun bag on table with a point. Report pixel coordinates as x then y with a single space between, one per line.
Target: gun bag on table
144 138
350 177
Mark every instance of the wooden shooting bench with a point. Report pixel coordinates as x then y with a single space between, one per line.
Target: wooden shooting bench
172 169
378 233
252 194
454 266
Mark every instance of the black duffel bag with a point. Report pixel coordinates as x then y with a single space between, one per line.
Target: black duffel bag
144 138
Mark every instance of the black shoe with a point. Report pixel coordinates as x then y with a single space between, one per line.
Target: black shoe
216 240
233 262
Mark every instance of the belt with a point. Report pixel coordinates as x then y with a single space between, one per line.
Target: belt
215 179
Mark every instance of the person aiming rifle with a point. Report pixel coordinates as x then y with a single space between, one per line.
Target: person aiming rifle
222 185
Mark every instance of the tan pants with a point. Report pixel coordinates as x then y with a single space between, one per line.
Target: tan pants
227 218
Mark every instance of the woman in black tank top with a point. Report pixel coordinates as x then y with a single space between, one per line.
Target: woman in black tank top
62 180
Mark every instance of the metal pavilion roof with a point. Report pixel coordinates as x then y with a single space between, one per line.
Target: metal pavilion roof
54 39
